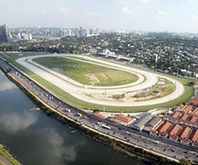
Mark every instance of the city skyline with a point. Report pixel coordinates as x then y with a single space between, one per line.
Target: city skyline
130 15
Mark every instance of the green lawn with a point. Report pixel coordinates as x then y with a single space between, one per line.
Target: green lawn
6 155
189 91
87 73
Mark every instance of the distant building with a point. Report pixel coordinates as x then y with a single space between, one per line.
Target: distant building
26 36
4 33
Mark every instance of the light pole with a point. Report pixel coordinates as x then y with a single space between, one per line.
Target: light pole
156 57
177 71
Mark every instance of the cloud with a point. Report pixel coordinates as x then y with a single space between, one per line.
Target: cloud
127 2
160 12
123 2
52 144
145 1
5 85
194 17
13 122
64 10
126 10
192 0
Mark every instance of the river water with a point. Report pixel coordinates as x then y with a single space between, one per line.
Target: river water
37 139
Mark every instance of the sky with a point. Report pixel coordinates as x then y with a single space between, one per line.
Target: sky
130 15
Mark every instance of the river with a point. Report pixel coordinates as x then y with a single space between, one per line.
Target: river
37 139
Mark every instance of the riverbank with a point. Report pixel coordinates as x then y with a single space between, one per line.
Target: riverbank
6 158
128 148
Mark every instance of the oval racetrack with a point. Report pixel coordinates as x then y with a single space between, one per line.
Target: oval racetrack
82 92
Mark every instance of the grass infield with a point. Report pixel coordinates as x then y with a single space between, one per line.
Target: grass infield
87 73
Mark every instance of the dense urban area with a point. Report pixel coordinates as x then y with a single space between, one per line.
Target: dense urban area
166 52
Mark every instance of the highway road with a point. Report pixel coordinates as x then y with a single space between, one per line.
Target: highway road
82 92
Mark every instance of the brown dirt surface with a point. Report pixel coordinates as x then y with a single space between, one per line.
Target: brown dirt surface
93 79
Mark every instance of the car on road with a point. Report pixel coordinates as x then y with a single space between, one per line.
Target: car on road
156 142
172 149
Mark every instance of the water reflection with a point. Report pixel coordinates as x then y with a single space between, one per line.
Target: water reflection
4 83
12 121
36 139
52 148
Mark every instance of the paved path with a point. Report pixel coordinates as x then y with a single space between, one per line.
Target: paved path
4 161
81 91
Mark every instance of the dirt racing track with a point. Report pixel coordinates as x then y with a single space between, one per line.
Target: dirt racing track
100 95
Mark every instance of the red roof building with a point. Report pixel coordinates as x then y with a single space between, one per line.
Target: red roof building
193 119
186 131
175 130
97 114
158 127
194 136
164 128
195 101
122 119
176 115
184 116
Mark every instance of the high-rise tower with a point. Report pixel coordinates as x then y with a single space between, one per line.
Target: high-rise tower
4 33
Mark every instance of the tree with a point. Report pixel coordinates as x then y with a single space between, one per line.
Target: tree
184 161
191 83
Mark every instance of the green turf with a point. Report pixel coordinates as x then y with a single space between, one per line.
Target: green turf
87 73
189 91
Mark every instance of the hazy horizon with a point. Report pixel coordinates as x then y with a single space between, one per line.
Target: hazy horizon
131 15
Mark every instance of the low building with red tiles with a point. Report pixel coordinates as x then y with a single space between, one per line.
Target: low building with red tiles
97 114
195 101
184 116
164 129
194 137
173 134
122 119
176 115
184 135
